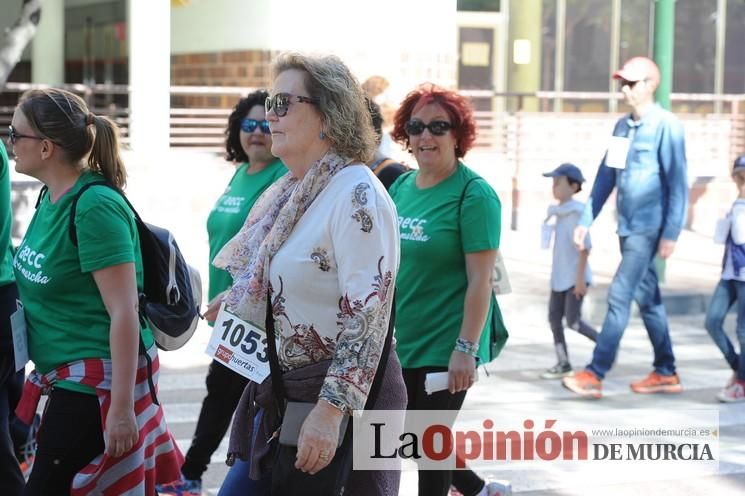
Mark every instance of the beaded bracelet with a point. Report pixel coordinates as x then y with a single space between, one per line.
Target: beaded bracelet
467 347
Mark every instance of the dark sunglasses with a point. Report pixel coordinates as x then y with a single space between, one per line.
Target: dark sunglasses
416 127
250 125
14 136
630 84
280 103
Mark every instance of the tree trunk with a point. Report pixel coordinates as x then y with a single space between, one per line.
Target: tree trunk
15 38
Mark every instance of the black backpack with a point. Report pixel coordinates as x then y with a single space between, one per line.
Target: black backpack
172 291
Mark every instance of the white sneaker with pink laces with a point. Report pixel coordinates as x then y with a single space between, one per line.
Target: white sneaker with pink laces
733 392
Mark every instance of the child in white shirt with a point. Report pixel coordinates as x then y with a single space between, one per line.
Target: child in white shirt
570 273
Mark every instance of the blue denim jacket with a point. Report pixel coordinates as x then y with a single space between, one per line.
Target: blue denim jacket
652 191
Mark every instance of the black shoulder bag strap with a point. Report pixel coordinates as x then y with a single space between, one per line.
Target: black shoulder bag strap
73 233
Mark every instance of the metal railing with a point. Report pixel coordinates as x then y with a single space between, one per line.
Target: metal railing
199 116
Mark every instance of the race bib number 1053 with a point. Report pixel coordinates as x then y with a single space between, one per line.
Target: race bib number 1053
240 346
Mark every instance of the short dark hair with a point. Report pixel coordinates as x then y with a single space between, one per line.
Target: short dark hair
234 150
572 182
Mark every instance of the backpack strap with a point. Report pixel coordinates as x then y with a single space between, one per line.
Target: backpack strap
42 192
463 195
73 208
72 232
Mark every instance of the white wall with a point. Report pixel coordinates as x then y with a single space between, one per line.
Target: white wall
204 26
405 41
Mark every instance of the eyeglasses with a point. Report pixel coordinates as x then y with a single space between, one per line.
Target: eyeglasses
416 127
280 103
250 125
14 136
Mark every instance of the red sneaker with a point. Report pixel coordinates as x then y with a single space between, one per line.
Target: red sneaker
657 383
584 383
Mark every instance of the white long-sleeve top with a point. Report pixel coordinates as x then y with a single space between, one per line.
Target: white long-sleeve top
332 284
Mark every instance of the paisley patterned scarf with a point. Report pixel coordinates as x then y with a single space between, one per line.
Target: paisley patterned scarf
271 221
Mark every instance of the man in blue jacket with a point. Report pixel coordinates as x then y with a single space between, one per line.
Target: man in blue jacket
646 164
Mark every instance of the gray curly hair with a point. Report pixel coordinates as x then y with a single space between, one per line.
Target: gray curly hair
344 111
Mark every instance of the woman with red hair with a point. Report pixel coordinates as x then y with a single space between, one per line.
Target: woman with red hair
449 220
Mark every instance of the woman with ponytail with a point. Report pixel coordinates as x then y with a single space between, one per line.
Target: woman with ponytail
84 334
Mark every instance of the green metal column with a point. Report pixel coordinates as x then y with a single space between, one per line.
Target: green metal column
664 42
525 24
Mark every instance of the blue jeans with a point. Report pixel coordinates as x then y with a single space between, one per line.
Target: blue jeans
725 295
635 279
238 483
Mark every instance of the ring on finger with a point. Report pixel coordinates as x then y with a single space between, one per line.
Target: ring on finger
323 455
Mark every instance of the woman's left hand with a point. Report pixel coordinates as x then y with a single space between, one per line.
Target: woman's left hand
318 438
461 372
121 431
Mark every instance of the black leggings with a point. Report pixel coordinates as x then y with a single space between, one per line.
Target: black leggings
224 390
437 482
11 479
70 437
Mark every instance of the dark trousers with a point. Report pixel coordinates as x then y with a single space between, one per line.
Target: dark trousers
565 306
437 482
224 389
11 479
70 437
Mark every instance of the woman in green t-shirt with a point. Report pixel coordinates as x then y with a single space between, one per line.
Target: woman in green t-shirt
81 307
248 143
449 221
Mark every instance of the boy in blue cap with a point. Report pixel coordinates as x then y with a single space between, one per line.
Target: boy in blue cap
570 273
731 291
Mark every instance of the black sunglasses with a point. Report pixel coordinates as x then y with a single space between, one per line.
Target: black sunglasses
630 84
280 103
14 136
415 127
250 125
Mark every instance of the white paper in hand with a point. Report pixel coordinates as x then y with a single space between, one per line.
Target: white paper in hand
547 231
721 232
438 381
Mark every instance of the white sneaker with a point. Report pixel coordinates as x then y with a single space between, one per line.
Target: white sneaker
497 488
733 393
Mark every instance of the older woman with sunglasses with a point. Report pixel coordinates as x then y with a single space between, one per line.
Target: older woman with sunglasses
449 220
248 144
316 262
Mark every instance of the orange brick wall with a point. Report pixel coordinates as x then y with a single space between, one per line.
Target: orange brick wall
248 68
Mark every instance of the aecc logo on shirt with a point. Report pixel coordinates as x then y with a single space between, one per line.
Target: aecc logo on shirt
416 227
33 260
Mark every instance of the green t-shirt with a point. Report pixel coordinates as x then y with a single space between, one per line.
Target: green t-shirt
65 315
6 221
431 283
230 212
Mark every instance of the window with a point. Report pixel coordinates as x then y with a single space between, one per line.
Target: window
587 45
734 55
636 19
695 46
479 5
